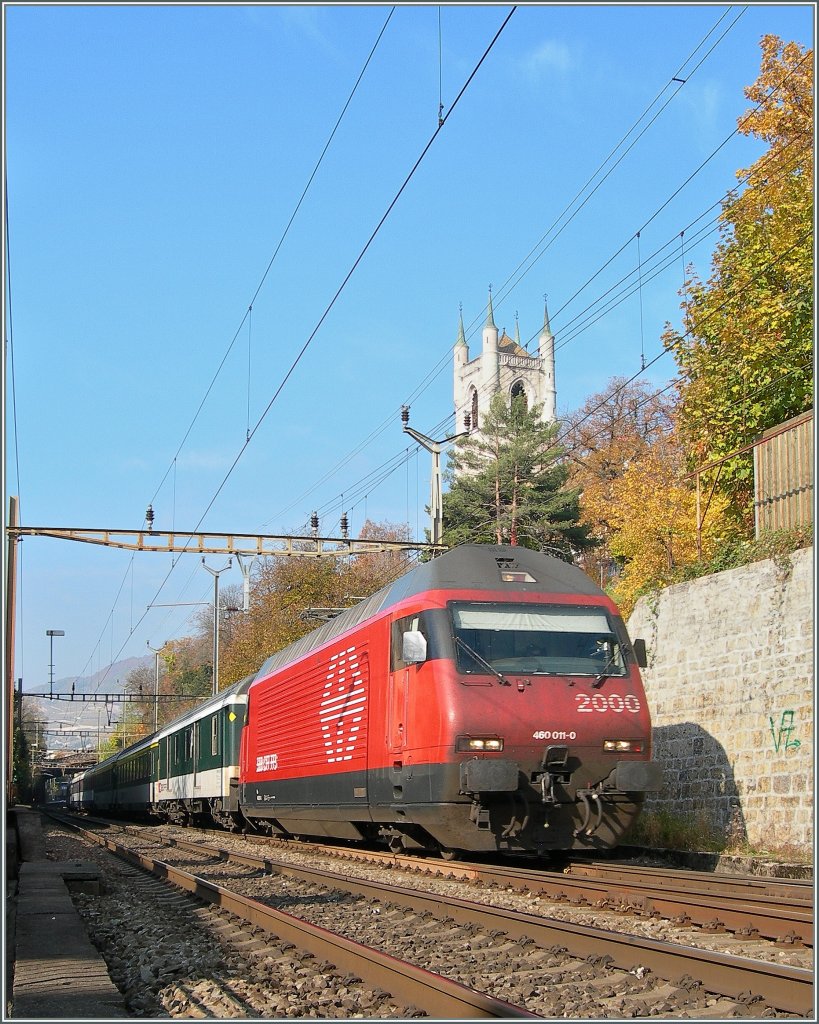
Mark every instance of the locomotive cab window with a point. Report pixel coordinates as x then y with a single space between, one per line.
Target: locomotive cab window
536 639
432 626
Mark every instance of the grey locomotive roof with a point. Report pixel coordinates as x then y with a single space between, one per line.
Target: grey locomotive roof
466 567
480 566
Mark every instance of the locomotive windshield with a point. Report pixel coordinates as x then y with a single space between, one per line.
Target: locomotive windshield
536 639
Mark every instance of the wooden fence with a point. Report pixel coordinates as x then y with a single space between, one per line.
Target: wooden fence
783 475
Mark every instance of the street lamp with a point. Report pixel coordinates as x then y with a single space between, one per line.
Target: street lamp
215 573
51 633
157 651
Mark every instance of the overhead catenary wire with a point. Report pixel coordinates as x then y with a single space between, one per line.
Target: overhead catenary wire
435 372
384 471
447 353
388 471
685 183
173 465
337 294
534 256
272 260
561 437
718 309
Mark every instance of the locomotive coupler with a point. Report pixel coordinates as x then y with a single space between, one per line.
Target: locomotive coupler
547 789
554 764
586 797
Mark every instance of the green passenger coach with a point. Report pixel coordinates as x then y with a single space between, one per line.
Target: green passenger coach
196 761
186 771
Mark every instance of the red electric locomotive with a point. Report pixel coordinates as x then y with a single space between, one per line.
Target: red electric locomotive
489 700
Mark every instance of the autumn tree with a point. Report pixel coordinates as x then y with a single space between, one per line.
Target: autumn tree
606 435
653 525
285 589
364 574
746 353
507 484
139 709
188 678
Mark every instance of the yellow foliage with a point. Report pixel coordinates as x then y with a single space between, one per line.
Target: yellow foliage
654 523
285 586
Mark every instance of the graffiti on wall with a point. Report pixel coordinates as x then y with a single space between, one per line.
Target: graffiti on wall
783 735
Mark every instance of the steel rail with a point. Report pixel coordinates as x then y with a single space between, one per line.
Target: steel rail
792 889
671 896
782 914
785 988
437 996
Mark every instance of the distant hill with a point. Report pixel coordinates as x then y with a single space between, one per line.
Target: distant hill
107 680
78 714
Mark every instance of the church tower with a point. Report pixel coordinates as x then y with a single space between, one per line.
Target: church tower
503 366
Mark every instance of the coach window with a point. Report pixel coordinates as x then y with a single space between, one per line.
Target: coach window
214 734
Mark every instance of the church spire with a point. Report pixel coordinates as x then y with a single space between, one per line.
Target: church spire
490 317
461 340
517 330
546 347
490 365
546 328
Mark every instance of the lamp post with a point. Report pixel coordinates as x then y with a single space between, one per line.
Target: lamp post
51 633
157 651
215 573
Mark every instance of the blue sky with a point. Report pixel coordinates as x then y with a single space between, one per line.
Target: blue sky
155 155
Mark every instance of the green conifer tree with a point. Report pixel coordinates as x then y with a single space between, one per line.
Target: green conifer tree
507 485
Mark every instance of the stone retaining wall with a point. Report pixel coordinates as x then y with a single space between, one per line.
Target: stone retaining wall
730 686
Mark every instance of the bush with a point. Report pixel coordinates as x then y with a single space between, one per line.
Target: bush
738 551
663 830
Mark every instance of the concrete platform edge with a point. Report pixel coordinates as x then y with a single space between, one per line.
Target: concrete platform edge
58 973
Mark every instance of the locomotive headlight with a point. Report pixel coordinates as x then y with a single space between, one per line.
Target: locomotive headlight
469 743
623 746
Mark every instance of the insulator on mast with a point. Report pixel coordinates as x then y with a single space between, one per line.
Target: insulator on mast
314 523
345 529
405 414
149 517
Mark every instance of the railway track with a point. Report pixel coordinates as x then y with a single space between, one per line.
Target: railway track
447 956
744 905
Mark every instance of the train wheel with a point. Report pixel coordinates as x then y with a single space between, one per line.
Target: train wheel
447 853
